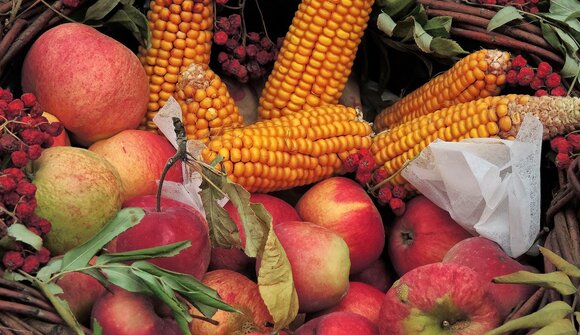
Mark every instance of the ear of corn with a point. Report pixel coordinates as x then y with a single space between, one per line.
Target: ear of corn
316 57
498 117
181 34
293 150
478 75
207 107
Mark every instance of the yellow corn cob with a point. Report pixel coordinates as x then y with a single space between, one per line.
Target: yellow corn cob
206 104
316 57
293 150
498 116
181 33
478 75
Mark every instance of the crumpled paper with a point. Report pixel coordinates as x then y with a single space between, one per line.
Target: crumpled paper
490 187
188 191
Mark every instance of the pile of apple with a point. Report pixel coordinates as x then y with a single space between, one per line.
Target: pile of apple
344 254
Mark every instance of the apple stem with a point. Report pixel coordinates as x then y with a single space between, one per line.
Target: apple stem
180 154
203 318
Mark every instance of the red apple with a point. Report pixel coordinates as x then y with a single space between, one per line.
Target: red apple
377 275
488 259
95 97
239 292
422 235
343 206
170 225
150 201
319 261
80 291
438 299
361 299
120 312
234 258
338 323
139 156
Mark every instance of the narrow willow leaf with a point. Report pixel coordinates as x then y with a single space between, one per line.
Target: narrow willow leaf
14 276
100 9
54 288
80 256
551 312
557 280
558 327
19 232
439 26
222 229
167 250
446 47
165 294
97 329
186 284
98 275
419 14
386 24
255 231
52 267
422 39
573 16
276 283
140 20
122 276
577 315
560 263
505 15
551 36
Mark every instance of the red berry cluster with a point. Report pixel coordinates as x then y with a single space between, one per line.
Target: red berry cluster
530 6
24 133
566 148
361 162
243 55
541 79
394 196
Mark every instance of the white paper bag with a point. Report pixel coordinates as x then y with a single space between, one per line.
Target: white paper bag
489 186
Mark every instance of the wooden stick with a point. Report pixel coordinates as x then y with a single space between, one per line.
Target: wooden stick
528 306
477 34
25 298
562 236
18 325
11 35
572 222
22 287
18 308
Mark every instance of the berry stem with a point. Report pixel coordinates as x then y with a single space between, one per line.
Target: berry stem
262 19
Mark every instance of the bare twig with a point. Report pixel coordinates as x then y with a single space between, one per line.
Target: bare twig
11 35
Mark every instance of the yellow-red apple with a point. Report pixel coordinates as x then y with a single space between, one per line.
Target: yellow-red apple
319 261
80 291
78 191
438 299
140 158
234 258
92 83
62 139
239 292
361 299
422 235
378 275
343 206
120 312
338 323
489 260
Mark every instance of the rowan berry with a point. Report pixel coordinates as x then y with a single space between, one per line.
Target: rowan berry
553 80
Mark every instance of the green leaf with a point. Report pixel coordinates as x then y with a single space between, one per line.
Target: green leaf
396 7
439 26
54 288
276 283
556 280
560 10
422 39
122 276
97 329
551 312
551 36
19 232
140 20
405 29
577 315
573 16
569 42
52 267
558 327
446 47
192 289
253 227
80 256
222 229
167 250
14 276
505 15
98 275
571 67
100 9
419 14
386 24
560 263
165 294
